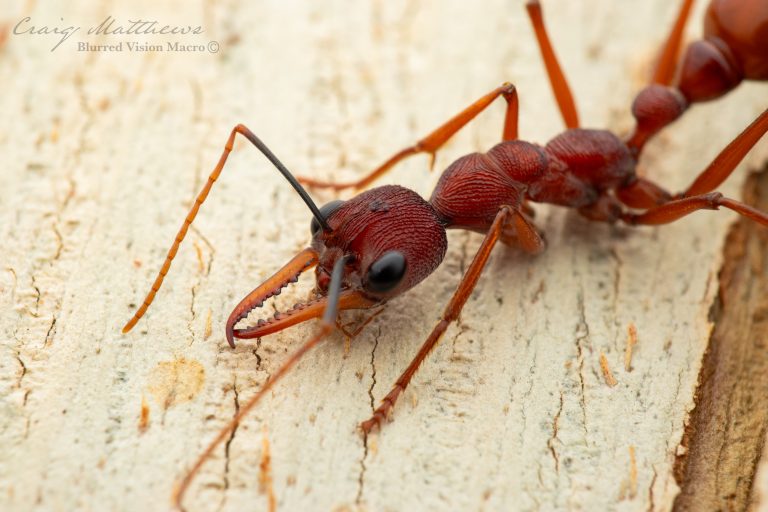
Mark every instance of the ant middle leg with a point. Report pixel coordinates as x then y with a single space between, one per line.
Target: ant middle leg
432 142
557 79
519 231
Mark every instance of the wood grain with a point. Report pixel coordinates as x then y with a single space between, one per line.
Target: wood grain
103 152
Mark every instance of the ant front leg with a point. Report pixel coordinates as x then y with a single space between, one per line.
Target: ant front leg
450 314
326 327
360 325
432 142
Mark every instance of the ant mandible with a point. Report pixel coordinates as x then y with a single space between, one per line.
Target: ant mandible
384 241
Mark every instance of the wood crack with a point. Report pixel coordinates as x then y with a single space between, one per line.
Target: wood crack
363 467
228 444
553 437
582 334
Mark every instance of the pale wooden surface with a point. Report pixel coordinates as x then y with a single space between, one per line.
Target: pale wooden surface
101 156
760 495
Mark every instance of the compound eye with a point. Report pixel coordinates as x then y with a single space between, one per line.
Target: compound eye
326 211
386 272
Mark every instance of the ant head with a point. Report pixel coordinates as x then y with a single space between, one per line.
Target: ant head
390 239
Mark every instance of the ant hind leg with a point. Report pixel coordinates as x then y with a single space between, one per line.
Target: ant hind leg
667 64
644 194
724 163
678 208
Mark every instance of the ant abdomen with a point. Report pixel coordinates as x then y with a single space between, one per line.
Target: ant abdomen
710 70
743 26
733 49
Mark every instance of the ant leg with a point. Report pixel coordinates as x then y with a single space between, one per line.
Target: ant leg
667 64
432 142
519 231
450 314
326 327
350 335
658 105
556 76
678 208
242 130
361 325
178 493
642 194
724 163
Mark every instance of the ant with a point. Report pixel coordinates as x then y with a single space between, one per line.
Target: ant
382 242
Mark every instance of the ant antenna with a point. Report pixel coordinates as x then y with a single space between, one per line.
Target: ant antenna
288 176
245 132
